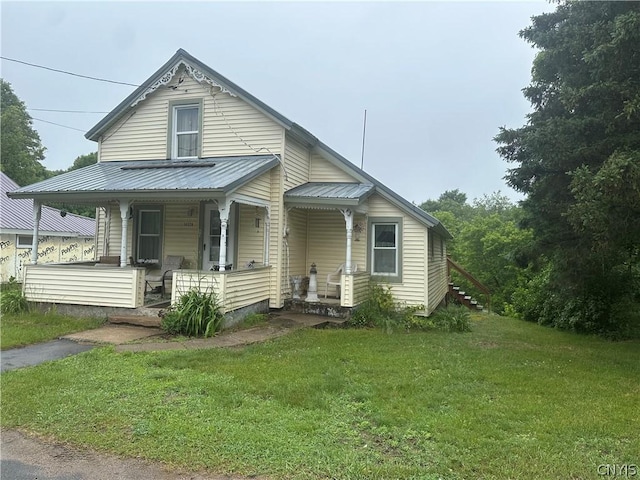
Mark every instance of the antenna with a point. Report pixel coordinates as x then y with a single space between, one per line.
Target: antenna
364 132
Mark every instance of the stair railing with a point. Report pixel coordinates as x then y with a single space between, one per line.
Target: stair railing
451 264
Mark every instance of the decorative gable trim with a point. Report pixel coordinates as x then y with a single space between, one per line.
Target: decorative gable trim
193 72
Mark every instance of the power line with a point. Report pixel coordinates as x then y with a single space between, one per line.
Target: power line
61 111
59 125
68 73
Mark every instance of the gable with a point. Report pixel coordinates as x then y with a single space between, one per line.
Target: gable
324 171
230 126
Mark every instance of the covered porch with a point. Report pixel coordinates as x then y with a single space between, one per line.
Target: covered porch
213 214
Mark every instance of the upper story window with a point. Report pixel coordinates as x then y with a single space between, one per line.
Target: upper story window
185 141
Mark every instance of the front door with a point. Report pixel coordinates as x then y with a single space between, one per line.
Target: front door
211 236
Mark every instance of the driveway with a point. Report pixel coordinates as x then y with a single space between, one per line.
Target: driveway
41 352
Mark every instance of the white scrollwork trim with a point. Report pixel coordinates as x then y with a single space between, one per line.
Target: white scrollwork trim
194 73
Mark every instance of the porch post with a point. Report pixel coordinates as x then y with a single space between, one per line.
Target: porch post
124 215
267 236
224 222
348 218
37 213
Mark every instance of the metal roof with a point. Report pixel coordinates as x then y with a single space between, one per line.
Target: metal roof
17 214
338 191
149 177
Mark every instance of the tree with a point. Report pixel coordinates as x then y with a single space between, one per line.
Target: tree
581 143
84 161
79 162
21 149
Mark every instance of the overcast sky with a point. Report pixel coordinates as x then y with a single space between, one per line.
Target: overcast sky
437 79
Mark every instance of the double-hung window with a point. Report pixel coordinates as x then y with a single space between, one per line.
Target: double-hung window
186 126
149 232
385 248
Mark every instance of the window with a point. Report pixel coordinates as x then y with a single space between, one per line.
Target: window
385 248
25 241
148 234
186 127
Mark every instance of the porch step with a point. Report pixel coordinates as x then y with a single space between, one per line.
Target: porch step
308 320
329 308
138 320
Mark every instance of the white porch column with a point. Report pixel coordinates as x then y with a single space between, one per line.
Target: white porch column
224 209
267 236
124 215
348 218
37 213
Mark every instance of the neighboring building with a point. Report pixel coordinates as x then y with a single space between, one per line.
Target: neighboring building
62 239
192 165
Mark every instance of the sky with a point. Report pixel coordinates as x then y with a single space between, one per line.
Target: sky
437 79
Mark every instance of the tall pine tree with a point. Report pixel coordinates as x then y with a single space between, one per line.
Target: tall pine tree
577 160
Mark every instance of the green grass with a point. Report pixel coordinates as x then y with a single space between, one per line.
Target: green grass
508 400
22 329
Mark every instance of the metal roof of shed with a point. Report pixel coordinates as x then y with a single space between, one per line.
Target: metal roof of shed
150 177
17 215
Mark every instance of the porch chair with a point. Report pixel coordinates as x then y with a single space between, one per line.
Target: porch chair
334 278
171 263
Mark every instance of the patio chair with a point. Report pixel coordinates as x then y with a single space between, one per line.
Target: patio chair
171 263
334 278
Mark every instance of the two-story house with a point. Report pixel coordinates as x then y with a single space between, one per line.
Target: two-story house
193 166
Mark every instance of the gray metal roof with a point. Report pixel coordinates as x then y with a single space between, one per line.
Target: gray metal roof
330 192
17 214
137 179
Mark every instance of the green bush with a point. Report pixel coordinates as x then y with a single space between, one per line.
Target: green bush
454 318
11 299
379 310
196 314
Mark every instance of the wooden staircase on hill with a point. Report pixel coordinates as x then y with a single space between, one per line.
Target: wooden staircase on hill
458 296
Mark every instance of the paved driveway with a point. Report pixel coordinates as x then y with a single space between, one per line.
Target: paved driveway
41 352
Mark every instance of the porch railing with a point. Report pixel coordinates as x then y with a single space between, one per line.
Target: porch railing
84 284
354 288
235 288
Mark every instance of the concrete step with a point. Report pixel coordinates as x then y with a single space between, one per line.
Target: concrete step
137 320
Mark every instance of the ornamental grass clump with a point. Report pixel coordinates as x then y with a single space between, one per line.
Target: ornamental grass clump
197 314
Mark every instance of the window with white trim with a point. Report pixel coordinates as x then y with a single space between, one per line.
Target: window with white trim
384 252
186 131
24 241
148 234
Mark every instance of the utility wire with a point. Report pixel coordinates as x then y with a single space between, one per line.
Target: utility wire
61 111
68 73
59 125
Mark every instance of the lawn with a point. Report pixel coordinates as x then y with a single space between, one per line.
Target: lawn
22 329
508 400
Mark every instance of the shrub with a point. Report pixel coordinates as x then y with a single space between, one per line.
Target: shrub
11 299
196 314
454 318
378 310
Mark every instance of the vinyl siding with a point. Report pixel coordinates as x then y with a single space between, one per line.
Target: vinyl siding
85 285
354 289
324 171
250 238
258 188
276 246
414 263
297 241
438 282
181 232
296 161
327 244
143 134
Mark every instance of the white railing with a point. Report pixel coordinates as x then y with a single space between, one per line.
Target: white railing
84 284
234 289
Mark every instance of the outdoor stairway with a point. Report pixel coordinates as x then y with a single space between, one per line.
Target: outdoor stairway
461 297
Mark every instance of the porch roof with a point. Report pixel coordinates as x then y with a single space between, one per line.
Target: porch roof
330 193
146 179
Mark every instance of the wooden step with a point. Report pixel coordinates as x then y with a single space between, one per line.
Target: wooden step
137 320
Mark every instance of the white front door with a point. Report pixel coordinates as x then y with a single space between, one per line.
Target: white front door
211 236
